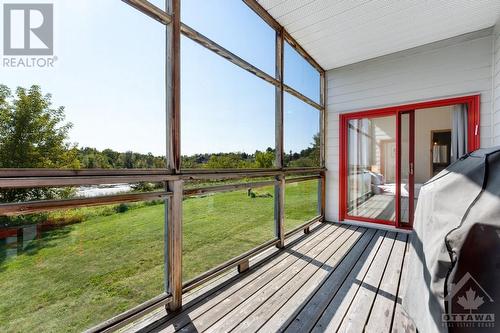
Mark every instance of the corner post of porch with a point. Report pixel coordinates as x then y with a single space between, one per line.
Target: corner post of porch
279 187
173 218
322 150
173 231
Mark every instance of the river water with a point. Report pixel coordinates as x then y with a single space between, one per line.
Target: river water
99 190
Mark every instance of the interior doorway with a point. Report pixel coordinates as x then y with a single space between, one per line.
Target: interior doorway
388 154
440 150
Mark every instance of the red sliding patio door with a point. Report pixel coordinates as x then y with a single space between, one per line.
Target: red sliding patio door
377 160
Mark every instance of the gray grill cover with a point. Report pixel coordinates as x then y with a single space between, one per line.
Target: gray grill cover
455 246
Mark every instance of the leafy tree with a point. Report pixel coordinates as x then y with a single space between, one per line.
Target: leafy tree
113 158
308 157
264 159
33 134
315 149
226 161
92 158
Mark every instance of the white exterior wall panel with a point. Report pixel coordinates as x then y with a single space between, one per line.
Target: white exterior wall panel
463 65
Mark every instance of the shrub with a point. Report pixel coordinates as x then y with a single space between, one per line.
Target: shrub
122 208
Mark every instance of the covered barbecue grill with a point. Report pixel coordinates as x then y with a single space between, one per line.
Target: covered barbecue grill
454 260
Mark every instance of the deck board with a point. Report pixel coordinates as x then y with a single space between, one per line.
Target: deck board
297 271
383 306
309 315
315 291
334 313
339 277
158 318
359 309
401 323
304 284
224 301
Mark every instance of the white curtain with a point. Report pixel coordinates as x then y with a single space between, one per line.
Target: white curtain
459 132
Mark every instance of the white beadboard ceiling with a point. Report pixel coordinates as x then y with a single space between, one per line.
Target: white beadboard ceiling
342 32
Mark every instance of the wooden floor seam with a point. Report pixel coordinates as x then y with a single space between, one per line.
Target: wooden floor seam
339 278
320 236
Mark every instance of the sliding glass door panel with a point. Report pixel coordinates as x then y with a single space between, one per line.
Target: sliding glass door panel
406 167
371 168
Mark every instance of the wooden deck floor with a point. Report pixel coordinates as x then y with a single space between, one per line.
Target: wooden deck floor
339 278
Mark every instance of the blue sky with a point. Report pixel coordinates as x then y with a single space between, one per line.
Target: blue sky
110 77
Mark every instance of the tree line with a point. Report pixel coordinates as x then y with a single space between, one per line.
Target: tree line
34 134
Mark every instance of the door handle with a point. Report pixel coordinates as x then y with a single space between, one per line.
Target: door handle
411 168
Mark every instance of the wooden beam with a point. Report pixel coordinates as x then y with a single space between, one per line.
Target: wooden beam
303 226
322 146
174 245
303 52
88 179
279 210
279 106
127 317
21 208
223 52
302 97
30 182
37 172
150 10
188 172
322 206
322 122
264 14
241 173
173 86
301 179
279 187
173 216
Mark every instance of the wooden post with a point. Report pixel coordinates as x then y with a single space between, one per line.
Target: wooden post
279 188
322 120
279 114
243 266
279 210
173 228
322 129
322 196
173 95
174 244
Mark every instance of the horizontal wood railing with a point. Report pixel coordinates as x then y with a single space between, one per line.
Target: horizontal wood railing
22 208
173 225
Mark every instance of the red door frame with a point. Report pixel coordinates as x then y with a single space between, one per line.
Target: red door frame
473 107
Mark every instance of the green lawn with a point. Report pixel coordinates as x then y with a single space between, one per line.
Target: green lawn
77 276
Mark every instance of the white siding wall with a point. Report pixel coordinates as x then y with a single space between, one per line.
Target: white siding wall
458 66
496 85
